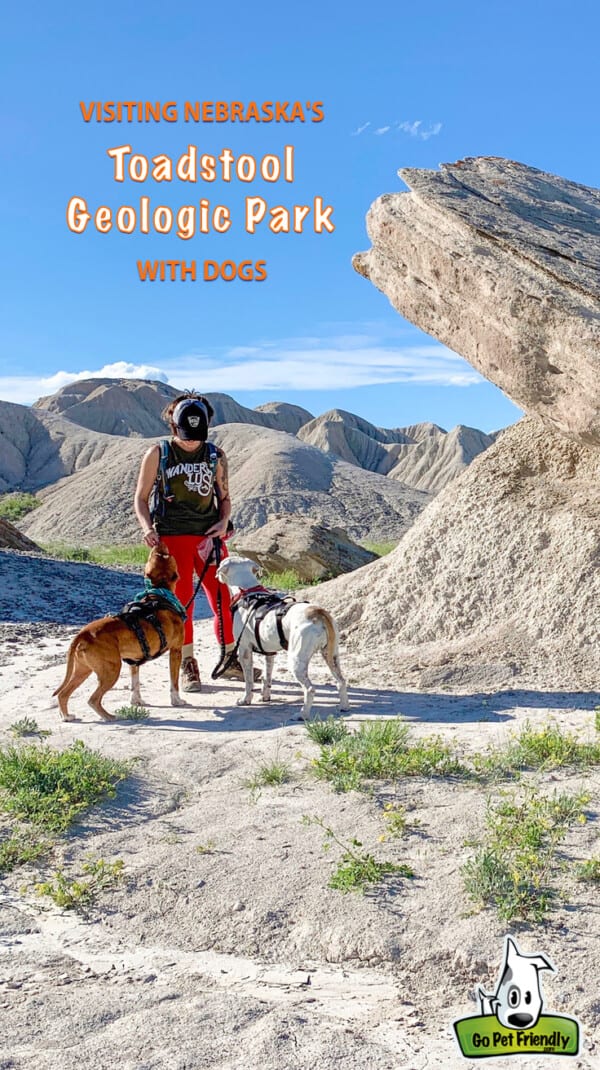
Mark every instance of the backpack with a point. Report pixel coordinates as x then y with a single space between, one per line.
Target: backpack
160 493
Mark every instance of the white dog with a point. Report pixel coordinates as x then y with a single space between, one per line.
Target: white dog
265 622
517 1001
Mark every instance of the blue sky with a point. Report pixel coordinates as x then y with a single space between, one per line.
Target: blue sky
504 78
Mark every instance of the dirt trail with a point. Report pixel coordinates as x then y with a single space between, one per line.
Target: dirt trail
238 954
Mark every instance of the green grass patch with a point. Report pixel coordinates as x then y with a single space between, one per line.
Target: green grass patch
270 775
99 555
80 893
383 750
132 713
386 750
382 549
288 580
51 788
17 504
515 865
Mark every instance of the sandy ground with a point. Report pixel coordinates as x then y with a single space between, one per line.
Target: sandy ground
240 956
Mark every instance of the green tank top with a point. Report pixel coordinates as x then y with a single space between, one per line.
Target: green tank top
191 507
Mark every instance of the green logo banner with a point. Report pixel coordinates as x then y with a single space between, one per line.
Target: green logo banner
482 1036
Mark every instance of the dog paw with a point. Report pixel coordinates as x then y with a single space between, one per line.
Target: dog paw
177 700
243 701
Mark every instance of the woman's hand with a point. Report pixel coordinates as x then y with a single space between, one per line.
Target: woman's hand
151 538
218 530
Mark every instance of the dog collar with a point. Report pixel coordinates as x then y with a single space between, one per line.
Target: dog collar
247 590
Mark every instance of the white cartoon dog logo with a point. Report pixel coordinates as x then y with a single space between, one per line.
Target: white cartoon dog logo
517 1001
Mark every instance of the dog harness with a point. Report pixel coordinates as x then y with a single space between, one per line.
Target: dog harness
259 601
145 607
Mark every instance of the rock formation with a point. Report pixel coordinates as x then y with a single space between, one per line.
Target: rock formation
312 550
38 448
497 582
423 456
13 539
501 262
270 472
134 407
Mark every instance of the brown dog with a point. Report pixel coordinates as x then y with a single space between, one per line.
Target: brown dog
103 644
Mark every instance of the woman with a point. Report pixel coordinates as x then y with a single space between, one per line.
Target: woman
191 507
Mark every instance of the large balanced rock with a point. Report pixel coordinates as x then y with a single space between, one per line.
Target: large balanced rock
312 550
501 262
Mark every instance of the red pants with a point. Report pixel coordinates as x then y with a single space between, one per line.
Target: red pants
185 549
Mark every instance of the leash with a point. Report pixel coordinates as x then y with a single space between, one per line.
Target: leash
216 553
226 659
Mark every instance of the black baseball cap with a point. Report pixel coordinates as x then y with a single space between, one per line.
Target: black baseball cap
191 420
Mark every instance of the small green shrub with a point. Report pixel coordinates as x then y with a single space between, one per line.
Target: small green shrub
50 788
357 870
205 848
326 731
547 747
132 713
19 848
28 726
17 504
515 863
397 823
589 870
79 894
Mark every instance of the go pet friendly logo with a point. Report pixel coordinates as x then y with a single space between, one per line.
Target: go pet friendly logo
511 1020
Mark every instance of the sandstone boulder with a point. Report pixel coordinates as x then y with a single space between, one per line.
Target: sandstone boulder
13 539
501 262
312 550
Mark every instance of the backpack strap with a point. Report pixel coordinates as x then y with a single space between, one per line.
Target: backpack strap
160 491
213 457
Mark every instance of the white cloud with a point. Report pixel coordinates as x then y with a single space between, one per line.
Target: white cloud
417 129
24 389
382 130
360 130
339 361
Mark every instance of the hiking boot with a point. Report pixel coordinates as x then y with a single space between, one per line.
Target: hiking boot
190 675
235 672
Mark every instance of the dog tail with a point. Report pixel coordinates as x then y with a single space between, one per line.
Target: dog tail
316 613
70 662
